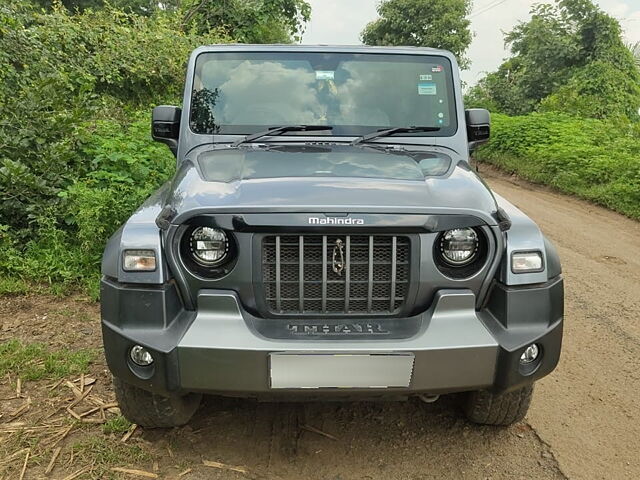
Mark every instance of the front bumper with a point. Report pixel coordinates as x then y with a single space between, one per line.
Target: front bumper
223 349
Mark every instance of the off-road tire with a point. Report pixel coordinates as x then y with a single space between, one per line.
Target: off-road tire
489 408
152 410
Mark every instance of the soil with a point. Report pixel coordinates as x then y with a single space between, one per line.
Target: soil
584 422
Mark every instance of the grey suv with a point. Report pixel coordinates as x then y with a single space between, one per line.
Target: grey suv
325 237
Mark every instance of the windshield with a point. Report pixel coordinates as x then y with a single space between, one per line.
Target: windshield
246 92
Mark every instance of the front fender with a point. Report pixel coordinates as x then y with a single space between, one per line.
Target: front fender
139 232
524 235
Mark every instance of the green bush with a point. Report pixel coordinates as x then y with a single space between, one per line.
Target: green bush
58 71
594 159
76 157
124 167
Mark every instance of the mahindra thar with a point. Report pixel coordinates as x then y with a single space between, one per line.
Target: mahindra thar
324 237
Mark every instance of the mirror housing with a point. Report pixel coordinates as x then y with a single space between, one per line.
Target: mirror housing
478 126
165 126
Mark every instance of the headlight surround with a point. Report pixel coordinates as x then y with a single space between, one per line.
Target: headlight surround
459 247
209 246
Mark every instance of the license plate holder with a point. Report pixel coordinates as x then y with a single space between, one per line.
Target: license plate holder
331 370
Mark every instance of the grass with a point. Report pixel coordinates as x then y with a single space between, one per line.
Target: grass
34 361
104 454
116 425
596 160
14 286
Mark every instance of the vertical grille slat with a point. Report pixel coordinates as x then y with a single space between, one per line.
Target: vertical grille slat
301 274
370 276
278 296
394 265
324 273
347 270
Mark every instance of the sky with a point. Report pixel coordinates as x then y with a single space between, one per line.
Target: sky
339 22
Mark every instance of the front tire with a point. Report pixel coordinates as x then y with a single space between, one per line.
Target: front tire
488 408
152 410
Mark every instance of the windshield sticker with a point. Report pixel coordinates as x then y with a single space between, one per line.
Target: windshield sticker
426 89
324 74
426 78
437 69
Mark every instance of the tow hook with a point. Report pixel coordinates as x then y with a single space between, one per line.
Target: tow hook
429 398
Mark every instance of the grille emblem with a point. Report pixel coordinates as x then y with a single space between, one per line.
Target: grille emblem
338 258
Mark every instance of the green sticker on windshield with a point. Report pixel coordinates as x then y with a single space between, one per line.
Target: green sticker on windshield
426 89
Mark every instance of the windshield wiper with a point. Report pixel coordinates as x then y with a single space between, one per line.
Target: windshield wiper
280 130
393 131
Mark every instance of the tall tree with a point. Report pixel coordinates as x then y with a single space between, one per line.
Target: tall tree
141 7
569 57
250 21
423 23
635 51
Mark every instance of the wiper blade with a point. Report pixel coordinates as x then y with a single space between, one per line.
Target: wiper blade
280 130
393 131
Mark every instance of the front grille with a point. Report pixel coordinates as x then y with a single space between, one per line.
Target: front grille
335 274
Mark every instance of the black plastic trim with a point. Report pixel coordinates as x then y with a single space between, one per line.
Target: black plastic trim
519 316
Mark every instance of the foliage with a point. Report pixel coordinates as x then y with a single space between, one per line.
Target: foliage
77 82
569 58
76 157
59 71
251 21
425 23
140 7
33 361
594 159
635 51
123 166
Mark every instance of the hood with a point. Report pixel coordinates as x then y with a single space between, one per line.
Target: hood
328 179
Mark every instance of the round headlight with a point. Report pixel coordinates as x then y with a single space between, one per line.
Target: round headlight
459 247
209 246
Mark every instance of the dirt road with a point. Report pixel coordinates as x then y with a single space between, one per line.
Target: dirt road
584 422
588 411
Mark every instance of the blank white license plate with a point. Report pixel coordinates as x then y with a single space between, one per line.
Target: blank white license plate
291 370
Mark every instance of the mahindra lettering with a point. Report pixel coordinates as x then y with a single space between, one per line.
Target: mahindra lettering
325 237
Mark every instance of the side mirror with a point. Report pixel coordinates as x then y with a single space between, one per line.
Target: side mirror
165 126
478 126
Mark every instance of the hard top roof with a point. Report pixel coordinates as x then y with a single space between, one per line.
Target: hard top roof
322 48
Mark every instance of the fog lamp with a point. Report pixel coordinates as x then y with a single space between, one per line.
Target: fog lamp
140 356
530 354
